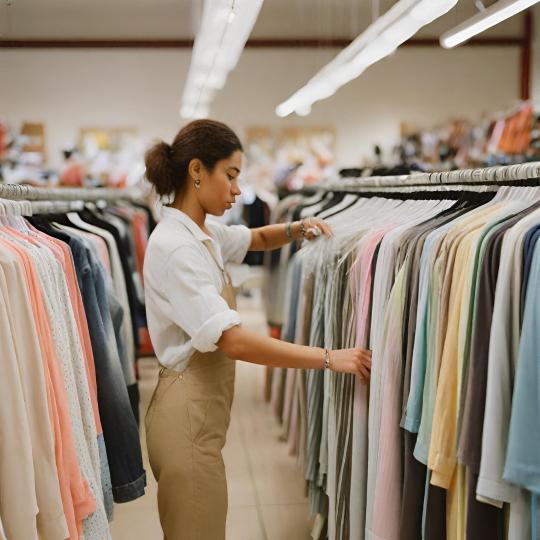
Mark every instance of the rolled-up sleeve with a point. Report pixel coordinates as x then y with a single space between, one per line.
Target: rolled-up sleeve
195 304
234 240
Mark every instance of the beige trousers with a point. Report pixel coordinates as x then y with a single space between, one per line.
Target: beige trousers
186 426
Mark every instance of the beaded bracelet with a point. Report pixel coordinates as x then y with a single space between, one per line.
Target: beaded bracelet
288 230
326 359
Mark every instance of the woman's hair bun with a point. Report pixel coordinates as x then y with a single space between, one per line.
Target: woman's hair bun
160 169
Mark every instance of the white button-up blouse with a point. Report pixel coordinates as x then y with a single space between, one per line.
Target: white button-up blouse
183 284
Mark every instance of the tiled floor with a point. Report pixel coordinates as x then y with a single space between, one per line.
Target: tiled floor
266 499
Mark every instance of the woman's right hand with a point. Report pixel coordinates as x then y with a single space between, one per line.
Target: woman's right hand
357 361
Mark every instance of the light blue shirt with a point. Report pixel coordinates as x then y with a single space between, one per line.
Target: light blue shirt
413 413
522 465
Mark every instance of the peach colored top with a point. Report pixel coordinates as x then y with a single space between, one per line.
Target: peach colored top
63 254
77 500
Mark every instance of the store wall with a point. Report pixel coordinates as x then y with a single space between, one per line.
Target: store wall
69 89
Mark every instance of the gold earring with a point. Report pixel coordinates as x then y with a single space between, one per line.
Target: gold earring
197 183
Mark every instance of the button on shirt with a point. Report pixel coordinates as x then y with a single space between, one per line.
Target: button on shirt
184 276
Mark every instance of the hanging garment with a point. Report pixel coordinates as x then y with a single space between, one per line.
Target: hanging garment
69 348
66 258
17 480
53 360
437 290
77 499
104 316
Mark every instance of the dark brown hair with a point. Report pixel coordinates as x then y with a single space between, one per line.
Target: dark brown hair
207 140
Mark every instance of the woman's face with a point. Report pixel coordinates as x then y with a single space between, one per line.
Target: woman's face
219 188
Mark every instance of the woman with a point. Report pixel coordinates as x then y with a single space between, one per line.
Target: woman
195 329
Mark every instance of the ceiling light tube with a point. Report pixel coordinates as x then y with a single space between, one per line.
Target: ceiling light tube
491 16
225 27
379 40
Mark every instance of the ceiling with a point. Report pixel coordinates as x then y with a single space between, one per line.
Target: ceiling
174 19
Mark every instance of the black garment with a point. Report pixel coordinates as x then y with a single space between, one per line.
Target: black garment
256 215
127 237
138 316
414 485
436 514
151 221
483 520
328 199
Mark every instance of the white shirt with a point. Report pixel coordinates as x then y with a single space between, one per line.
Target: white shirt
183 284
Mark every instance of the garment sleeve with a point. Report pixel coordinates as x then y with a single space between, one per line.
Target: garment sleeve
195 303
522 455
234 240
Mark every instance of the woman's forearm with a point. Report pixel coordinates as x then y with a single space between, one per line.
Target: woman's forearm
273 236
242 344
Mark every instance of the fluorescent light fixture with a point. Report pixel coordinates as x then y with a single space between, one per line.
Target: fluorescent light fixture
494 14
225 27
379 40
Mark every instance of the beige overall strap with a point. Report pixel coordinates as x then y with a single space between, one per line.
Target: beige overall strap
226 275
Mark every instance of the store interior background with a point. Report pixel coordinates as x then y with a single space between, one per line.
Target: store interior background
68 88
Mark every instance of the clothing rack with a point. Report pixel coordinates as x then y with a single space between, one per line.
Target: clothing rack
23 200
407 275
74 323
502 174
31 193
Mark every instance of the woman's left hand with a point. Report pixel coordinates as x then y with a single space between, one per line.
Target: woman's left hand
314 227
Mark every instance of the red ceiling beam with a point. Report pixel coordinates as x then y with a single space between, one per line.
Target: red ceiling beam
274 43
96 43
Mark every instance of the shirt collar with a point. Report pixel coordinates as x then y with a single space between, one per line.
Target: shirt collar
195 230
178 215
